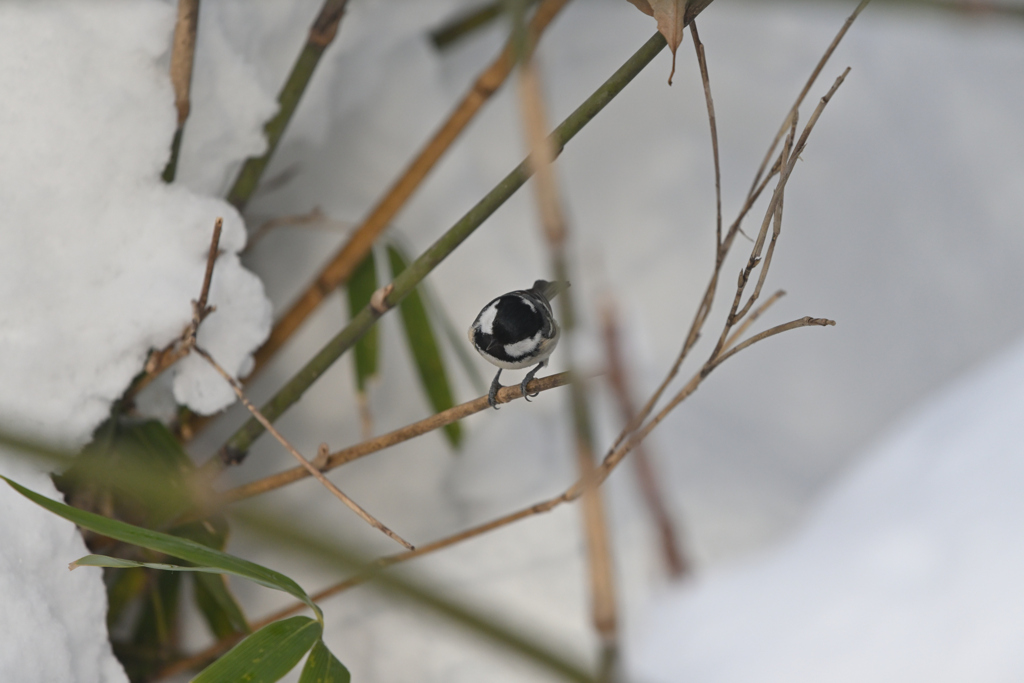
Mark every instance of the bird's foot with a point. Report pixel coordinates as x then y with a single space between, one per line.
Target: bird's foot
528 379
492 395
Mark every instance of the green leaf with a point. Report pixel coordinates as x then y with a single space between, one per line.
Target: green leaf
424 348
361 287
205 559
323 667
266 655
219 607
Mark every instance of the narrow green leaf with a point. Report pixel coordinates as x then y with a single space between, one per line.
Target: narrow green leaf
424 348
265 656
323 667
361 287
218 606
206 559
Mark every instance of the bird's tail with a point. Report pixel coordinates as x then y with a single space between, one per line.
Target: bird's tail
549 290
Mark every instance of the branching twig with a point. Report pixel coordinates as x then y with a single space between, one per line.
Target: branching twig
161 360
807 88
608 464
756 188
352 505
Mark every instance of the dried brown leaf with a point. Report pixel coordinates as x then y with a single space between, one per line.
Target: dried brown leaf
671 17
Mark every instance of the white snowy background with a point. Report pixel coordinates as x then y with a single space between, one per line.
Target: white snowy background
814 562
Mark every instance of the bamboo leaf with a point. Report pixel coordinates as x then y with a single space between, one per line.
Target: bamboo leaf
267 655
323 667
424 348
219 607
361 287
205 559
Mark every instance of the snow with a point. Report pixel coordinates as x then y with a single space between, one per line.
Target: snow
100 262
909 570
52 620
902 222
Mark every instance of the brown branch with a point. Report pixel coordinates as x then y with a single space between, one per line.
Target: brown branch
347 455
702 63
601 474
675 561
161 360
342 264
750 319
351 504
182 57
549 205
778 329
807 87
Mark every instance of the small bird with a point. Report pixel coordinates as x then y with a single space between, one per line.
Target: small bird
517 330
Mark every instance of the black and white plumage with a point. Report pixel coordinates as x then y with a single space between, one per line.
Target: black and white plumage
517 330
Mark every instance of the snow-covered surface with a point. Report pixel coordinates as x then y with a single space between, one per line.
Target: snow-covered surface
902 223
908 571
99 260
52 625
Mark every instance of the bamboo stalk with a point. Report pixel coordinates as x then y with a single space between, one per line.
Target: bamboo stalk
341 266
321 35
237 446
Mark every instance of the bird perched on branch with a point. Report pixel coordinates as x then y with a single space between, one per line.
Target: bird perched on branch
517 330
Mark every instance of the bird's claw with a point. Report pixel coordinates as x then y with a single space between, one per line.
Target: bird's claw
492 395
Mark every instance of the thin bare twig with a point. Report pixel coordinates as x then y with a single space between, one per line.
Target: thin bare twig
807 87
750 319
352 505
601 473
161 360
632 436
705 79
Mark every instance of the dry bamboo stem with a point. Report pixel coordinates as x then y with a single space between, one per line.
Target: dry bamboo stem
341 266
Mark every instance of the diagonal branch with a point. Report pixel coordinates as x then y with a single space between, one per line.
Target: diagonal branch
321 35
339 269
235 449
352 505
411 431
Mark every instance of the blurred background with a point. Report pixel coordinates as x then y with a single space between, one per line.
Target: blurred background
902 223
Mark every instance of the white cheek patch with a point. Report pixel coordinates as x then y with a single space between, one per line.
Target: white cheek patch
522 348
486 319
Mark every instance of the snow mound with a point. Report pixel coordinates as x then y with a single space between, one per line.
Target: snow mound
910 570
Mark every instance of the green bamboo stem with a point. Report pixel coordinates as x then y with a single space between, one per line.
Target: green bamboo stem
238 445
321 34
